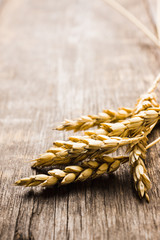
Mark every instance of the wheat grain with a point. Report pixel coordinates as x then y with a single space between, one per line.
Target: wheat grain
88 169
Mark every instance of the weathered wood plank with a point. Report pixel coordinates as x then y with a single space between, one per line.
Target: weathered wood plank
61 59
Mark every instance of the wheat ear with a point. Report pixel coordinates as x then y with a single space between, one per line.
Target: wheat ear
86 122
142 182
130 127
108 116
145 114
88 170
158 19
145 108
65 152
137 157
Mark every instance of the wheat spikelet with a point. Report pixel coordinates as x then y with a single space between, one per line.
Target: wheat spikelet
88 169
86 122
65 152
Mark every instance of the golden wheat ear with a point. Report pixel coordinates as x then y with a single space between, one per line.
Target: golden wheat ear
86 122
88 170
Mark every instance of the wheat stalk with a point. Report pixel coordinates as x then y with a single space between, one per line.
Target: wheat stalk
86 122
119 8
154 86
153 143
158 19
88 170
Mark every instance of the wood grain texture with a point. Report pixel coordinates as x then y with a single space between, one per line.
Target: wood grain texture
62 59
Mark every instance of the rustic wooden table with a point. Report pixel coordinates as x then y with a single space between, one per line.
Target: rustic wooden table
62 59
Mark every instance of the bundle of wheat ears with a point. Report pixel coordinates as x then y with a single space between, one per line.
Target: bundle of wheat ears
88 156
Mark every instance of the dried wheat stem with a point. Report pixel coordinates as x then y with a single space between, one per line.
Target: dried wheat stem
64 152
154 86
89 169
86 122
158 19
118 7
153 143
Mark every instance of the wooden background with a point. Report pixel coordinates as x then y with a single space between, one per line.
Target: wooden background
62 59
